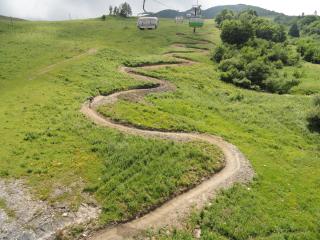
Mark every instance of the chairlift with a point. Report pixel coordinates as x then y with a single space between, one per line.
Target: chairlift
145 21
179 19
195 19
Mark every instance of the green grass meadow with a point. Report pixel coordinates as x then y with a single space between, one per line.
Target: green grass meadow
46 140
49 143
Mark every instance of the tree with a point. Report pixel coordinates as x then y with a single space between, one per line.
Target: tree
268 30
257 71
115 11
307 20
280 34
125 10
236 32
248 15
110 10
224 15
294 30
265 29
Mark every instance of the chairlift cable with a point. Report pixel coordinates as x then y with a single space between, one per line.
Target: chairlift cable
161 3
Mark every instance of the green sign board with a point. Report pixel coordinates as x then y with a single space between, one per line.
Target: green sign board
196 22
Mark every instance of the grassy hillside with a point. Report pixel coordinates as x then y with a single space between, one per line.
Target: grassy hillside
5 18
46 141
271 130
214 11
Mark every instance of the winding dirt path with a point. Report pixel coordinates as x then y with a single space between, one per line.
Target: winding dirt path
171 213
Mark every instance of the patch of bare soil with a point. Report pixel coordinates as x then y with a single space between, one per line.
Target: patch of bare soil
27 218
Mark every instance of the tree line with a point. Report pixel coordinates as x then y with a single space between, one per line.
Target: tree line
123 10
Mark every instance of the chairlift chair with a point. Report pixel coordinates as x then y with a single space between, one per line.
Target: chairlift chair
196 20
145 21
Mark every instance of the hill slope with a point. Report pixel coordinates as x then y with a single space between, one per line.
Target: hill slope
5 18
214 11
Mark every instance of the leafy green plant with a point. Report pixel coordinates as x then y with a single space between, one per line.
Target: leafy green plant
236 32
294 30
253 51
314 115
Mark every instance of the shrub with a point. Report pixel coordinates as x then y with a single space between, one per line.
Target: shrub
286 55
249 53
280 34
314 115
278 53
236 32
30 136
219 53
297 73
228 64
267 30
309 50
253 48
278 64
257 71
280 85
231 69
307 20
293 57
243 82
224 15
294 30
313 28
316 101
314 119
255 63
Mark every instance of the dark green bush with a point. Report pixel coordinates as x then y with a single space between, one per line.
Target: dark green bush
314 115
316 101
244 82
280 85
309 50
254 65
257 71
307 20
224 15
285 54
219 53
236 32
294 30
278 64
313 28
253 49
312 54
228 64
249 53
231 69
270 31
